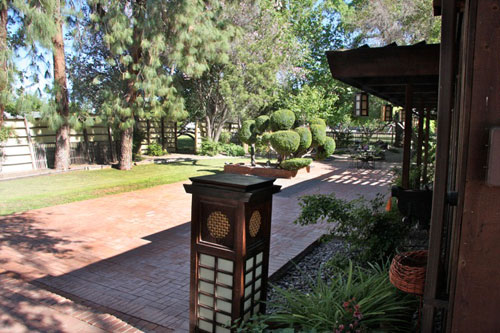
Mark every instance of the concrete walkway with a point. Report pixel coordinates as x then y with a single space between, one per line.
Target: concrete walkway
127 254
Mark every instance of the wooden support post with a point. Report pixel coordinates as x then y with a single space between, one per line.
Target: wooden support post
427 145
112 152
30 143
420 143
447 64
407 138
163 140
86 145
175 135
148 131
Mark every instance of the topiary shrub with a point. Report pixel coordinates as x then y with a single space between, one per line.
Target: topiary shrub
231 149
305 138
247 132
285 142
326 150
318 135
209 147
262 124
318 121
282 120
295 163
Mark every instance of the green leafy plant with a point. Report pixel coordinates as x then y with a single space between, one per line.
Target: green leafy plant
373 233
262 124
326 149
155 149
282 120
209 147
232 149
295 163
285 142
225 137
318 121
5 133
354 300
305 138
318 135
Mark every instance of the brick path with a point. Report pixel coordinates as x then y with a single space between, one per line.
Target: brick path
127 254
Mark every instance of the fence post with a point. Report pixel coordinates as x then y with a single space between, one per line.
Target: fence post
30 143
163 141
110 140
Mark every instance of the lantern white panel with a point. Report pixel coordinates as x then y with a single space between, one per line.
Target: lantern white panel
223 319
204 325
225 265
206 300
225 279
206 313
223 305
224 292
206 287
206 274
207 260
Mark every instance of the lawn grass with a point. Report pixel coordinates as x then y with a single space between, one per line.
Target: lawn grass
36 192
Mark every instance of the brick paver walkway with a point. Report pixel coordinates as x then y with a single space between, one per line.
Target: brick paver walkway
127 254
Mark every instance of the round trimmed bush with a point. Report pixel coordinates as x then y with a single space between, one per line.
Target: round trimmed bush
305 138
318 135
318 121
326 150
285 142
282 120
295 163
265 139
262 124
247 132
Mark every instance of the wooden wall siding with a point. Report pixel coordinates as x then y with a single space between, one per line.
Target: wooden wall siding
477 296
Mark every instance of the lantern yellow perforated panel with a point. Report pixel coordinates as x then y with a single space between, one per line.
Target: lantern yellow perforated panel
255 222
218 225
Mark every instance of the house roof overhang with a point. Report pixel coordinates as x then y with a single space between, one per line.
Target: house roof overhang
386 71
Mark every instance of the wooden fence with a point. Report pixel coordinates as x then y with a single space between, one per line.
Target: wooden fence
33 145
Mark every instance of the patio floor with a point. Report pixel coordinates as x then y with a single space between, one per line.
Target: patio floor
126 255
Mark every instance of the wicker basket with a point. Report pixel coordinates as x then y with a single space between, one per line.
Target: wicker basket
407 271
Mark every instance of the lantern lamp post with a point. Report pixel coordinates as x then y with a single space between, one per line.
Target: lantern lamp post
230 240
361 104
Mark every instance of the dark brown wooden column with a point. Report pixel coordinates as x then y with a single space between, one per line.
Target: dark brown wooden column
407 138
427 145
420 143
447 74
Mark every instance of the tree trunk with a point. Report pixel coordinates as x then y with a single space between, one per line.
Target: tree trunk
3 61
126 148
62 154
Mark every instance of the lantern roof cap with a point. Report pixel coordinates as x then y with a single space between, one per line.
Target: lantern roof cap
235 182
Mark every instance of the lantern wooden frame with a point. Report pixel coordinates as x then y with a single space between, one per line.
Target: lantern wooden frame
361 104
230 241
387 112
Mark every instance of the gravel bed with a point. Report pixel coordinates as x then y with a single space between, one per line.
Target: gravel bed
306 270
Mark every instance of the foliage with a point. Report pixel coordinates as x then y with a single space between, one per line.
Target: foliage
225 137
318 135
373 234
386 21
357 299
285 142
326 150
209 147
5 133
295 163
241 83
318 121
248 132
305 138
282 120
231 149
262 124
155 149
311 102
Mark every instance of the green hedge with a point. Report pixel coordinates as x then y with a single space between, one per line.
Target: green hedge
295 163
326 150
262 124
247 132
305 138
318 135
285 142
282 120
318 121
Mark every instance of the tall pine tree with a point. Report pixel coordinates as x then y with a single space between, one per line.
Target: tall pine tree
31 21
149 41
